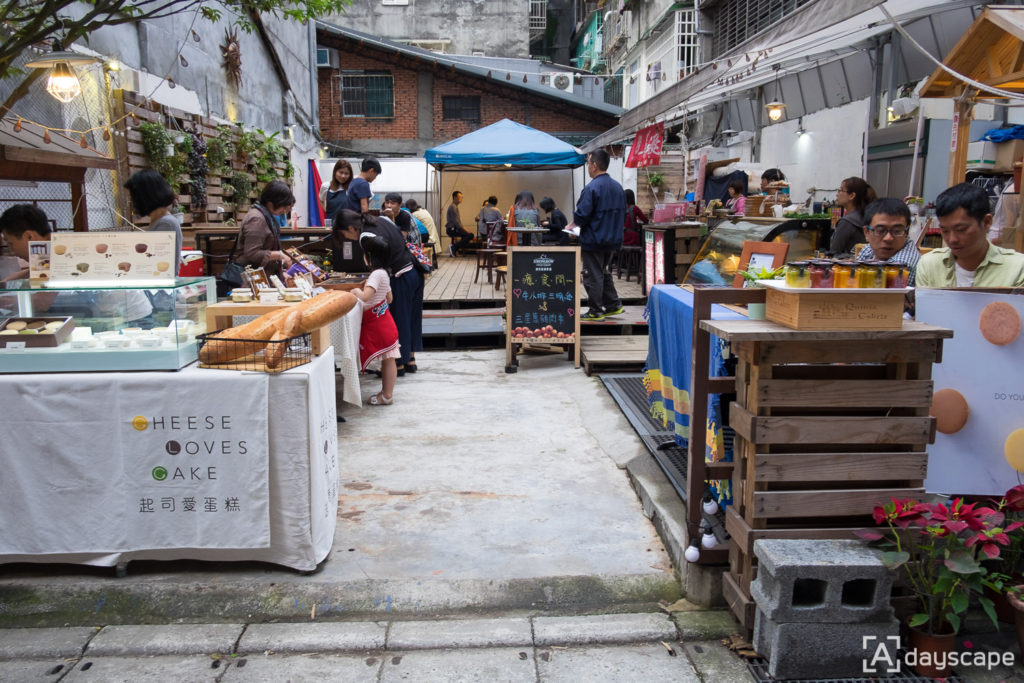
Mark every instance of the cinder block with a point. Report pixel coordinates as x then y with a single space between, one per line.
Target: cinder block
821 581
815 650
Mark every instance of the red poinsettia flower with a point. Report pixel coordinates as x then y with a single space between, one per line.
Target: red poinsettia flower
1014 499
902 513
958 516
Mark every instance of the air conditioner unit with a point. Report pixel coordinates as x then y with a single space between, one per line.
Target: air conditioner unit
327 57
560 81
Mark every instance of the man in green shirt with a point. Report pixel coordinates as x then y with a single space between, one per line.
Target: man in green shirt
968 259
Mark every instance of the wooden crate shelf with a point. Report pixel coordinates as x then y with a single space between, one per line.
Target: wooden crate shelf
828 425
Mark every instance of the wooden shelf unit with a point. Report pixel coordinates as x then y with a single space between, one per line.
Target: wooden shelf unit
828 424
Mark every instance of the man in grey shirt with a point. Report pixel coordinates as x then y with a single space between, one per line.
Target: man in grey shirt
453 226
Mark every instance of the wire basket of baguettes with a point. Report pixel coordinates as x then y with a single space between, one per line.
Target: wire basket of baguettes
273 355
275 341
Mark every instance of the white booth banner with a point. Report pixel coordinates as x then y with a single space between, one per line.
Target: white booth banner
109 464
982 364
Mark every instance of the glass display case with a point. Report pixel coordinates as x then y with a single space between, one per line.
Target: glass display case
104 326
719 257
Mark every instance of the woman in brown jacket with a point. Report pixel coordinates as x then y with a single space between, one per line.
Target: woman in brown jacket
259 240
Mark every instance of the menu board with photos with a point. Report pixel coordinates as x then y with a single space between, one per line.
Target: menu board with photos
543 294
112 255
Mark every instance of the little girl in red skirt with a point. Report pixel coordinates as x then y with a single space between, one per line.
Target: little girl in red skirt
379 336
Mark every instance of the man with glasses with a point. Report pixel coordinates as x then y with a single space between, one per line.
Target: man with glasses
886 222
968 259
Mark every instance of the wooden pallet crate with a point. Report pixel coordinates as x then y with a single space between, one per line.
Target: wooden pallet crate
828 424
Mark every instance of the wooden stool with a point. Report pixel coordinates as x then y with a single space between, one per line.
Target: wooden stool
500 267
629 260
485 260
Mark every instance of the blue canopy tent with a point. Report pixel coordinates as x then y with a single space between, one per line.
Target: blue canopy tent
503 159
504 145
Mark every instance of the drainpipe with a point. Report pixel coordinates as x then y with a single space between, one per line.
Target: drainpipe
314 83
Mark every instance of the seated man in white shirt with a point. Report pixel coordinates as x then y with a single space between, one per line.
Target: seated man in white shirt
886 225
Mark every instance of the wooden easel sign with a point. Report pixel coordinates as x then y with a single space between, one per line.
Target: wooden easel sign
542 301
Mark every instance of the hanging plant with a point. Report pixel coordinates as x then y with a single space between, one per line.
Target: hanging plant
163 155
197 169
220 150
248 143
242 186
656 179
289 171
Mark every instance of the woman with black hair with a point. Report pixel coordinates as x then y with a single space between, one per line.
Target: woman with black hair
635 220
259 239
853 195
555 223
406 280
153 198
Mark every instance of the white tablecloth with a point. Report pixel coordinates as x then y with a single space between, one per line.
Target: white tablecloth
345 340
87 482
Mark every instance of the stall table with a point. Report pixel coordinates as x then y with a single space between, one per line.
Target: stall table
105 468
204 237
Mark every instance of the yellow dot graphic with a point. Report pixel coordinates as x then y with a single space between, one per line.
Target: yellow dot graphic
1014 449
140 423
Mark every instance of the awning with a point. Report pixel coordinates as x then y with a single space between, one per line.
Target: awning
504 145
28 146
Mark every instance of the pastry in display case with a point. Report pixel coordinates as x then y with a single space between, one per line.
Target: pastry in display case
102 326
719 256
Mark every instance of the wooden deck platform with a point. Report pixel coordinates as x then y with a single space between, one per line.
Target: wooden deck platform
613 353
452 286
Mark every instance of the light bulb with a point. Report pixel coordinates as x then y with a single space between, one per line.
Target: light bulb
708 539
63 83
709 505
775 110
692 553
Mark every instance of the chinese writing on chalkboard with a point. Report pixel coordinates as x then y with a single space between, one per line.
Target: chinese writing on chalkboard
543 295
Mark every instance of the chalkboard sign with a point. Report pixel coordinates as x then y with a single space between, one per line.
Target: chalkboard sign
543 295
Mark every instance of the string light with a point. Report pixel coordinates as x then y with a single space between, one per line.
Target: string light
17 126
46 136
82 143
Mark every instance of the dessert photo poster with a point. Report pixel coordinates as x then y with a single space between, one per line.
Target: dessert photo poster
979 391
112 255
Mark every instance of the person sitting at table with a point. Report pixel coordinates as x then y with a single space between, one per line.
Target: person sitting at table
968 259
453 227
737 201
334 192
489 223
259 239
524 214
555 223
635 220
153 198
24 223
772 175
886 223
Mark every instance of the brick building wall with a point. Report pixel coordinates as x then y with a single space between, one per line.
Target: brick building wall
531 109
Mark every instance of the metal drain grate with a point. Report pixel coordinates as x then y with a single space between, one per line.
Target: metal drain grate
759 670
629 393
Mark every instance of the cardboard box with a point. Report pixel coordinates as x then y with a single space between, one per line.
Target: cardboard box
1006 154
981 155
835 309
28 341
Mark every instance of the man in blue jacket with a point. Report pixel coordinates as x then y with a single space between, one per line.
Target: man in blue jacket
600 214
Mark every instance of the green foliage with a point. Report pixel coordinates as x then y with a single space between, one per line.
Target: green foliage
197 169
220 150
28 23
242 185
655 179
156 141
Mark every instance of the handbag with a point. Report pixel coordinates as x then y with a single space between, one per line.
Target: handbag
420 258
232 273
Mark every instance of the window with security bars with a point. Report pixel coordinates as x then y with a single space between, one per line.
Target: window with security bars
688 50
368 94
460 108
737 20
613 89
538 15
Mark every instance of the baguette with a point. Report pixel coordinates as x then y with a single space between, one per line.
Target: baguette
275 352
260 329
305 317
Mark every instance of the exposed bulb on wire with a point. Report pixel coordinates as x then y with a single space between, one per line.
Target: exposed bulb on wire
82 143
181 58
707 538
195 36
17 126
46 136
692 553
709 505
106 134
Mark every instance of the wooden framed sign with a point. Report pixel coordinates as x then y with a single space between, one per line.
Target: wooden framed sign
756 255
542 301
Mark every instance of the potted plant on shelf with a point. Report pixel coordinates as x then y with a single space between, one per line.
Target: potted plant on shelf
752 278
937 549
655 180
1009 604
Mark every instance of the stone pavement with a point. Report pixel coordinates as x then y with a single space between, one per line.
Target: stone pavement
618 647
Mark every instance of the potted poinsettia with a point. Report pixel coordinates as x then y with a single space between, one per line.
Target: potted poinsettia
937 550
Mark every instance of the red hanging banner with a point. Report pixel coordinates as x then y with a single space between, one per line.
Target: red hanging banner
646 149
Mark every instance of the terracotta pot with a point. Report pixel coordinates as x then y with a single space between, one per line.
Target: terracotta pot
938 647
1001 604
1018 615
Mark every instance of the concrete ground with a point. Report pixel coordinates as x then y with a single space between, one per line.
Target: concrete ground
487 528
